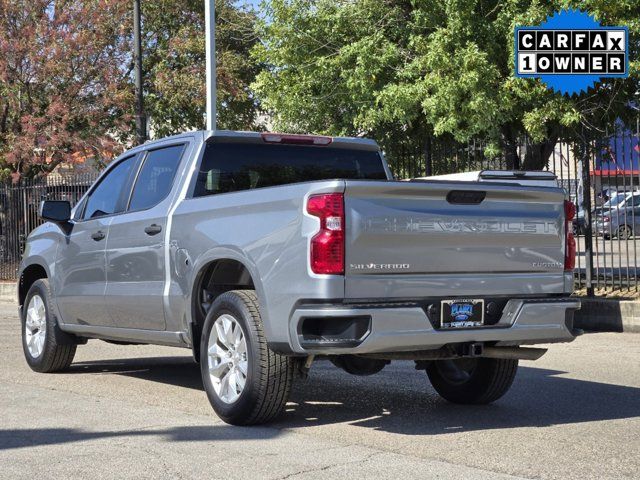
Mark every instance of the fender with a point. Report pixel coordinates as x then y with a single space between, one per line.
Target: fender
33 260
226 252
62 337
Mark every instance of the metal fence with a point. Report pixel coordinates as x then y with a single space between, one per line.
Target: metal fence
605 186
601 175
19 212
411 158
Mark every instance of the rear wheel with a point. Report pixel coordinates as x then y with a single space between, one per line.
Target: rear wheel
624 232
246 383
40 332
472 380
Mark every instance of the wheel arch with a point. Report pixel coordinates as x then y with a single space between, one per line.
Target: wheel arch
28 275
216 275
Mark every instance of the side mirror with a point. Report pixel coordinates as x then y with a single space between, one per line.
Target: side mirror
56 211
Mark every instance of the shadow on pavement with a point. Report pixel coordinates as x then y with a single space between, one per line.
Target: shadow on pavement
33 437
401 400
178 371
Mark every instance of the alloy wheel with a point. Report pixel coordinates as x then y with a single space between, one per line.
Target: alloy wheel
624 232
35 326
227 355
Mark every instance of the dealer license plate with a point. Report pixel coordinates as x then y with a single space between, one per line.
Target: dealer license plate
462 313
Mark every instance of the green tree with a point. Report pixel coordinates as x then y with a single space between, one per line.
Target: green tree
174 65
429 68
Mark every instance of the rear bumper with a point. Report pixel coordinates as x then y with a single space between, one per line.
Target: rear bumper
407 327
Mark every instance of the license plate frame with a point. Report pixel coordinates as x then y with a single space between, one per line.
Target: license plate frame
459 313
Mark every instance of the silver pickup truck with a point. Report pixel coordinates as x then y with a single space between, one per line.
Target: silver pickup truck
260 252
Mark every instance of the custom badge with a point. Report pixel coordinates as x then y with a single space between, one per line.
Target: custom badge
570 52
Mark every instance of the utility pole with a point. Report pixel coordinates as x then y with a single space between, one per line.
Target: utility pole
210 31
141 120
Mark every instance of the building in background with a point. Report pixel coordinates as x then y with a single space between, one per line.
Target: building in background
617 161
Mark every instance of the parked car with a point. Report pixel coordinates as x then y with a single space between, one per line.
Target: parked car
606 194
578 223
259 252
619 217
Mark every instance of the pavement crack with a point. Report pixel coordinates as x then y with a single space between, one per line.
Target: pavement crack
328 467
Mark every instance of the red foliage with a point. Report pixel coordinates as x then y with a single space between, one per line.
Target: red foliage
64 82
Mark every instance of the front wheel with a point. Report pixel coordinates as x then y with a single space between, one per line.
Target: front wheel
246 383
472 380
41 335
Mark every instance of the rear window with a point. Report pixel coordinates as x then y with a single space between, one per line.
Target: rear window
229 167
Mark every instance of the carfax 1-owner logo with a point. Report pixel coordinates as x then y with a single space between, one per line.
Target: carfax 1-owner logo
570 52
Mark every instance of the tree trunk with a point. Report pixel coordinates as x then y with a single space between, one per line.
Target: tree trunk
428 159
511 157
537 155
510 146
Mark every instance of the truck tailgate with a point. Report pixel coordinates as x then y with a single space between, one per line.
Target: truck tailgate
434 238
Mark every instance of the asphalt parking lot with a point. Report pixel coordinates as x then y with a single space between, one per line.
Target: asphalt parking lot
140 412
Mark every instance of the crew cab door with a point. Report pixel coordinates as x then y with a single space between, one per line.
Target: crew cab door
80 265
136 247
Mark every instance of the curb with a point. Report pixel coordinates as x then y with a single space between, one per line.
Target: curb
608 315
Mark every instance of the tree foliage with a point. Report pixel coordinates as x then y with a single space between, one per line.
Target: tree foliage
62 82
429 68
66 84
174 64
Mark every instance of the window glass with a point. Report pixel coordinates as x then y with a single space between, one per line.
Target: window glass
615 200
156 177
104 199
229 166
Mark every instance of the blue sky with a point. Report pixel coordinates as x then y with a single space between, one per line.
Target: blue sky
254 3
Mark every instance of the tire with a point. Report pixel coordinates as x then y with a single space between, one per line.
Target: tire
261 396
624 232
43 350
472 380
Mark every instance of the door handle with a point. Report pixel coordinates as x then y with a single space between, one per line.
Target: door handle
97 236
153 229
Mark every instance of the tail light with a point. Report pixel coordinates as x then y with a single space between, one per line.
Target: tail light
570 246
327 246
606 219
